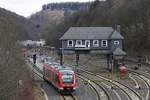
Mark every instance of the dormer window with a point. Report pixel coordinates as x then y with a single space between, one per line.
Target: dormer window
116 42
70 43
95 43
78 42
104 43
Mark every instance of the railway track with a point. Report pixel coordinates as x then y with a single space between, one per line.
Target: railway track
35 70
39 74
130 94
142 73
68 97
100 95
143 77
146 82
100 91
113 90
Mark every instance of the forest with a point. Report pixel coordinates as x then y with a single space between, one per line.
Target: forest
132 15
67 6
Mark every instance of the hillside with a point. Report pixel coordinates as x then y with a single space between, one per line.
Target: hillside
67 7
53 14
12 67
45 19
27 28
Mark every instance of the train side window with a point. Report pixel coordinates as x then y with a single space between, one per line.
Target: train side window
56 78
48 74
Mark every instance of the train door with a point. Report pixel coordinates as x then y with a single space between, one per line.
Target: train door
51 74
52 77
56 79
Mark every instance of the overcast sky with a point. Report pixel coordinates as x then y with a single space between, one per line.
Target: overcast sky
28 7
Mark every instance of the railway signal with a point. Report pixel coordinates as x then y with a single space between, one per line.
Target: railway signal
34 59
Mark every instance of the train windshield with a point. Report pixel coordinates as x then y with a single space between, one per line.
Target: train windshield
67 77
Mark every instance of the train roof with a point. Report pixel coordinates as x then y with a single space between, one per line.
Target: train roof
66 70
48 61
60 68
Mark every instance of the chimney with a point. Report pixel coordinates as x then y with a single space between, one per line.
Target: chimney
118 28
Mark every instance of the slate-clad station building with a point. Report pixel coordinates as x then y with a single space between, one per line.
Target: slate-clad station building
104 40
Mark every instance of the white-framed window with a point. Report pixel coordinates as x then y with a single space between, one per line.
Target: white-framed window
95 43
78 42
87 43
104 43
70 43
116 42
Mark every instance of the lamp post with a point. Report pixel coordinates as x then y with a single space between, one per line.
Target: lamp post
53 52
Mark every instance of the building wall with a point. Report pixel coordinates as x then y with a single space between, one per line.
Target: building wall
64 45
113 46
103 50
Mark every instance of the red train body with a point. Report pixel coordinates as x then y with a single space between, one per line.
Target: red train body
60 77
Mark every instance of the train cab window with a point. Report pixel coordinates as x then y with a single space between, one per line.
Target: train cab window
67 77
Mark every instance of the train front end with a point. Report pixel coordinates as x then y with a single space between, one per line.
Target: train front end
68 80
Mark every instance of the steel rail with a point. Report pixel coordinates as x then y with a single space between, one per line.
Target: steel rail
128 96
68 97
145 79
39 73
116 83
101 87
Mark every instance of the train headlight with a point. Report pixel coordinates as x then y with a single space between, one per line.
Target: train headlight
61 88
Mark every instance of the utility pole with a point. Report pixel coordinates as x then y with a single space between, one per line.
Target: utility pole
61 56
77 61
112 66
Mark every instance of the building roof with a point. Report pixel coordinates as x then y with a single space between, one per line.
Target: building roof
91 33
116 35
119 52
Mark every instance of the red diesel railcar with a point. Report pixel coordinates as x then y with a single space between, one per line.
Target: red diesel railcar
63 78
